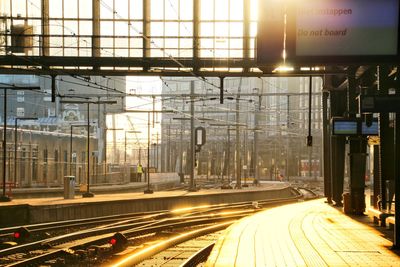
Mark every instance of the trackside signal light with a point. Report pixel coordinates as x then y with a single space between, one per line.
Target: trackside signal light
118 241
21 233
113 241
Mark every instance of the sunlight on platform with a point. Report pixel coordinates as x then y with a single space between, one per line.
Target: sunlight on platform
302 234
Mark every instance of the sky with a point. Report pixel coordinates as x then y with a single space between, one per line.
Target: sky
138 121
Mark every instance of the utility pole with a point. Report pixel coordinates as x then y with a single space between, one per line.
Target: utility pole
157 150
192 186
4 198
238 173
257 113
148 190
88 193
181 174
287 138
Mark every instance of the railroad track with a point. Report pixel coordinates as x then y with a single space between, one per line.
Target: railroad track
116 239
6 233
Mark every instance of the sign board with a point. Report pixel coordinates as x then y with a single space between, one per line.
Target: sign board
349 127
200 136
344 127
373 129
379 103
332 31
347 27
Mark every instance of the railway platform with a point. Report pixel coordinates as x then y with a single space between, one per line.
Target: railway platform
40 210
309 233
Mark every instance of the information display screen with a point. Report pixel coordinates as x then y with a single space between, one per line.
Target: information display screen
348 127
344 127
347 27
372 130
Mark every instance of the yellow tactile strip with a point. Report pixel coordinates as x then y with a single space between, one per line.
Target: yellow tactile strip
302 234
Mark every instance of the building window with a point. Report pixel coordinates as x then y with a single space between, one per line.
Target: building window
56 155
20 96
47 97
45 155
20 112
50 112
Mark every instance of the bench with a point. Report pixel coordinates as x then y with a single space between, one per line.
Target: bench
390 222
378 216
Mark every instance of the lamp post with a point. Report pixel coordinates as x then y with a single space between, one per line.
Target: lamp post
148 190
15 144
5 198
87 193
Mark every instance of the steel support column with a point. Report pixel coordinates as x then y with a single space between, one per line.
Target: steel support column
146 28
96 28
357 151
45 49
377 176
337 174
396 239
196 33
326 148
246 30
337 151
357 174
386 133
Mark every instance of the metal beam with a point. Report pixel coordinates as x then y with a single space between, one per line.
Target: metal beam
59 65
158 73
132 62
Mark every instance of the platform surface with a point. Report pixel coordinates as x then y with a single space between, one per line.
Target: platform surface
303 234
137 195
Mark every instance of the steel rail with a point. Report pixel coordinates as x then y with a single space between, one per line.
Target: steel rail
131 233
141 228
137 224
199 257
157 248
62 224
